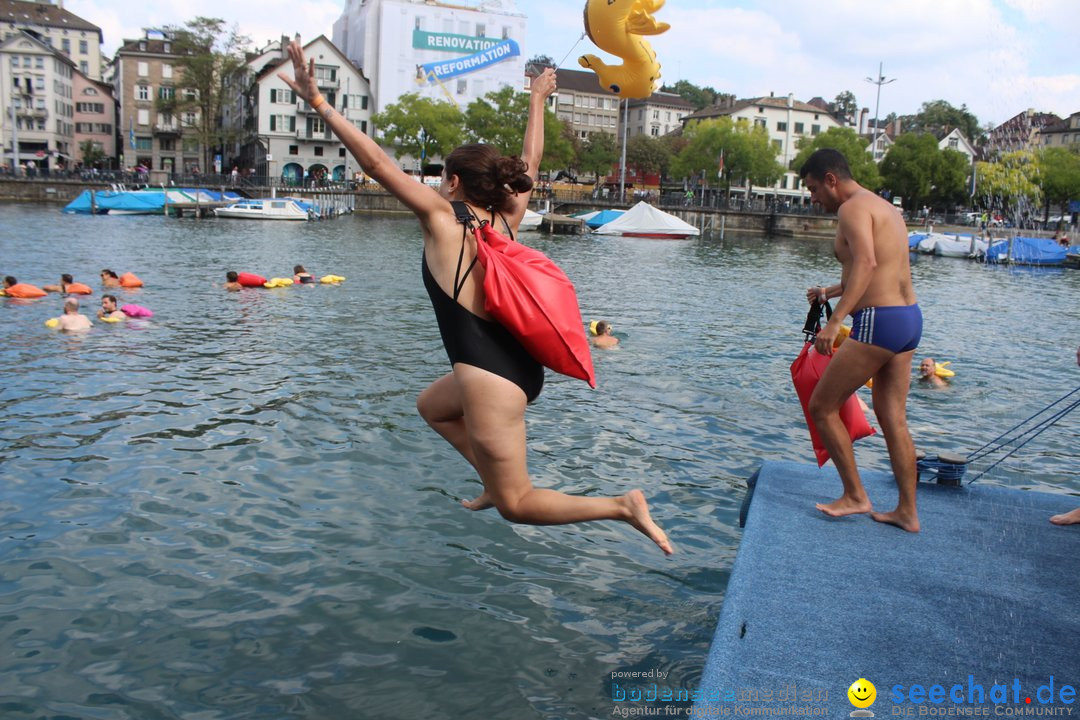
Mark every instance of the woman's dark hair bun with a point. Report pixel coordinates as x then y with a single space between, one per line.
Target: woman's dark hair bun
512 174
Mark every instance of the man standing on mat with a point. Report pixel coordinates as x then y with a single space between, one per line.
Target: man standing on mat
875 289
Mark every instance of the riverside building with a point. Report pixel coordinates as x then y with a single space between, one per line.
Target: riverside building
36 96
68 34
456 52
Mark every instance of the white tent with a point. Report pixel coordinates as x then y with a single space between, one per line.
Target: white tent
531 221
643 220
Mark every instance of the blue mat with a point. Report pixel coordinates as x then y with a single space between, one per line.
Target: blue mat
987 594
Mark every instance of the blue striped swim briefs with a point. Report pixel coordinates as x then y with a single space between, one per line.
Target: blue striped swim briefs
896 328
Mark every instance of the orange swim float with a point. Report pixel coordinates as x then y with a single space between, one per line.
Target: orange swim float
78 289
24 290
130 280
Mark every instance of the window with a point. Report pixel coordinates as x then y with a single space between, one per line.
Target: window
165 92
815 129
341 152
655 114
461 86
144 143
777 145
83 47
363 102
142 92
167 46
142 45
65 46
283 123
417 25
759 122
799 129
318 126
84 67
655 131
294 149
143 117
481 30
167 144
15 61
142 68
39 63
781 127
506 33
363 126
318 150
783 182
190 119
166 71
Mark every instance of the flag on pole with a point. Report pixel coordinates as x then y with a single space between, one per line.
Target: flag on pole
131 134
720 169
972 188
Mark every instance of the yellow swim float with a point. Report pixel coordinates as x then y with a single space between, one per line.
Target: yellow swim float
52 323
943 372
332 279
278 282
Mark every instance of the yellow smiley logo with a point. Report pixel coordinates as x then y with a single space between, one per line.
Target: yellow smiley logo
862 693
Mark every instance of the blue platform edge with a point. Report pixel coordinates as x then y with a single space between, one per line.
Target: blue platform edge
987 594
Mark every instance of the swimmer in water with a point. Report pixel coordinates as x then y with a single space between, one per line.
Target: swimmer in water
603 338
928 373
479 406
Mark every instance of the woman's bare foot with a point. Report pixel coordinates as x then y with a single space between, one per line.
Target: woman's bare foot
845 505
638 509
1070 518
481 502
902 519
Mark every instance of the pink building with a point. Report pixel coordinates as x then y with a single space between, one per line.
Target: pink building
95 118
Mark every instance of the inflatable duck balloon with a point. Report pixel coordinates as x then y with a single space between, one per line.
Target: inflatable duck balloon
616 27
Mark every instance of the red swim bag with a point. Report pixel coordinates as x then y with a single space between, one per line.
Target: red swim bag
529 295
250 279
807 369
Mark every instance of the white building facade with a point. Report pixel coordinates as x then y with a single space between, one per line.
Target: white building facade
68 34
457 52
787 120
280 136
37 99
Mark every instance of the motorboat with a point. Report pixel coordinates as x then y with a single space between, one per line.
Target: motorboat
966 245
266 209
531 221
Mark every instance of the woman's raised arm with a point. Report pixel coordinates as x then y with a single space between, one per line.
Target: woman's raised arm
417 196
532 150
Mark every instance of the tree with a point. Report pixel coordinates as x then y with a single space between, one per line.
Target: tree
908 167
208 52
1059 177
598 153
499 119
950 179
851 146
1010 184
696 96
421 127
938 116
647 153
748 153
845 106
92 153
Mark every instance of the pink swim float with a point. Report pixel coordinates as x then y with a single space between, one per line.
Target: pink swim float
136 311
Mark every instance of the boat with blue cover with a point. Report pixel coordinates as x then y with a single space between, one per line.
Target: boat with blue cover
147 201
1027 251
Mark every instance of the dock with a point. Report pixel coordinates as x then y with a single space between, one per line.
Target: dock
978 614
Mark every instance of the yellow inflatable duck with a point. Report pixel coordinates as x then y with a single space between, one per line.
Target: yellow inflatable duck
616 27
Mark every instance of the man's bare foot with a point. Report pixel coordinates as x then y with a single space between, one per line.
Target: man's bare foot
903 520
638 509
481 502
845 505
1070 518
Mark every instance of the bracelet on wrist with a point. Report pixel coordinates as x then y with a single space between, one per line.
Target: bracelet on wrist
317 101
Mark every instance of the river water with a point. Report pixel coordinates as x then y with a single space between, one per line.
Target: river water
234 511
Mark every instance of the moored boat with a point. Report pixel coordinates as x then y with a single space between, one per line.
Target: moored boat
1027 251
643 220
266 209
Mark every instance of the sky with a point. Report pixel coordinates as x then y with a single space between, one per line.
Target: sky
997 57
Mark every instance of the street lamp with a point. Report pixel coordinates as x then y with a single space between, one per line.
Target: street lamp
879 82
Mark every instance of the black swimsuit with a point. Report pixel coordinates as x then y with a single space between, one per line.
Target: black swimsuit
472 340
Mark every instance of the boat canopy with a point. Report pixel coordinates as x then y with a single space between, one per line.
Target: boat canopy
644 219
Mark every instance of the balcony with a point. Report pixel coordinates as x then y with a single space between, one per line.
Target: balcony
327 83
32 112
167 129
303 107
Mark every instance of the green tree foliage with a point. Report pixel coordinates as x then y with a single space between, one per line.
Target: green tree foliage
748 153
952 172
208 52
845 105
908 167
648 154
598 153
938 116
421 127
92 154
1010 184
851 146
1059 177
499 119
699 97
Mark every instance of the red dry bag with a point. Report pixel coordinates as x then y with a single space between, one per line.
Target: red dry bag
807 369
529 295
